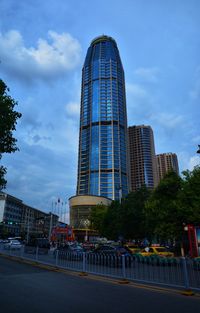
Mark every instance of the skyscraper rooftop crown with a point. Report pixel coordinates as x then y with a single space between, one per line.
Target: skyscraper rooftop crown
102 38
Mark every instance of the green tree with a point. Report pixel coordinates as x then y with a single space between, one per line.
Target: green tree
112 225
133 214
97 217
158 214
163 210
190 196
8 121
126 219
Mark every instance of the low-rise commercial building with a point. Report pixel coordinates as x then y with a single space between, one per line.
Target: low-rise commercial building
80 209
20 219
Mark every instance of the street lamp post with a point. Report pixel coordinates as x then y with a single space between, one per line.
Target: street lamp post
86 224
185 229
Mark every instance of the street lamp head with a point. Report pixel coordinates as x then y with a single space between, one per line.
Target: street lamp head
198 151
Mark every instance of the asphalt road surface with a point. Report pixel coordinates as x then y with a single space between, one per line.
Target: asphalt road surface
25 288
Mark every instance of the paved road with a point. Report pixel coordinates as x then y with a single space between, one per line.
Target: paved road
25 288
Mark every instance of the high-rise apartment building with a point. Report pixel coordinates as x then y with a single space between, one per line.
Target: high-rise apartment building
143 169
102 159
166 162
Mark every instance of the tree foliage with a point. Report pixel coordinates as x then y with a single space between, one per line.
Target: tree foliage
157 215
97 216
124 220
133 214
112 226
8 121
190 196
163 213
174 203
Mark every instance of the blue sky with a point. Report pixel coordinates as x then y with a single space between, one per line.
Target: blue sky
42 49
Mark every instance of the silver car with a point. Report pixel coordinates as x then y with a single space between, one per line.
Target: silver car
13 245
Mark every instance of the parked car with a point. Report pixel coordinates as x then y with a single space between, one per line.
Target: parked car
109 255
42 244
160 251
69 252
88 246
6 241
13 245
133 248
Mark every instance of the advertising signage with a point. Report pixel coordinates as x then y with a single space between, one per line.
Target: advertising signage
194 240
198 240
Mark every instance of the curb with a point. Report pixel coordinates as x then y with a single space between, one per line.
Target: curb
83 274
124 282
188 292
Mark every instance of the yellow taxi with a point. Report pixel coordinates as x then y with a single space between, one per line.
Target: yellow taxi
133 248
160 251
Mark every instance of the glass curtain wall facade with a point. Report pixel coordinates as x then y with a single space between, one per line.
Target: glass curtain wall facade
102 164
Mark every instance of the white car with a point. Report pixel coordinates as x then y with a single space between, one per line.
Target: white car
13 245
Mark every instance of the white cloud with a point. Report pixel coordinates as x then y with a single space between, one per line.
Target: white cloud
136 90
193 161
167 120
73 109
139 104
49 59
64 51
187 160
41 174
147 74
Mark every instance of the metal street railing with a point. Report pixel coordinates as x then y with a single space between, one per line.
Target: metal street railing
181 272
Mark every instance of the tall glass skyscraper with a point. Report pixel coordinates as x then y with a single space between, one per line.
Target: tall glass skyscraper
102 162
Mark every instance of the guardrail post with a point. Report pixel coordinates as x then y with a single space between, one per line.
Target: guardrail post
123 280
36 253
83 273
21 251
187 290
123 267
56 257
83 262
